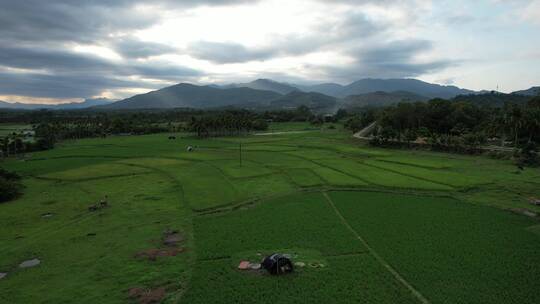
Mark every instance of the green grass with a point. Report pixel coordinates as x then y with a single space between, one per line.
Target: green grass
204 186
304 177
337 178
291 126
442 176
451 251
90 269
96 172
298 221
8 129
342 281
382 177
233 168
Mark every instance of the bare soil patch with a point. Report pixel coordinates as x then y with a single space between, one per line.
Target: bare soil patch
171 240
524 211
154 253
147 296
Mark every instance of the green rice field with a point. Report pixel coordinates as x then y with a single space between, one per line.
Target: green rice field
371 225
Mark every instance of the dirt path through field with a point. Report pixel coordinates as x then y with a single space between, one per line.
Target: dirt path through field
362 134
283 132
379 259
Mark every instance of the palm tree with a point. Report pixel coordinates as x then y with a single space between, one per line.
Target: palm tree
513 120
532 122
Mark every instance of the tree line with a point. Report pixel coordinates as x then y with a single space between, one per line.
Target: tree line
226 124
50 127
459 126
10 186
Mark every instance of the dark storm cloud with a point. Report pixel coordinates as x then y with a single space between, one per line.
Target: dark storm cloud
62 61
81 21
133 48
227 52
160 71
54 59
74 21
350 28
58 86
34 35
393 52
37 35
394 59
70 74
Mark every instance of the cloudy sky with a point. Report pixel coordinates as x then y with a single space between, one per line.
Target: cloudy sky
64 50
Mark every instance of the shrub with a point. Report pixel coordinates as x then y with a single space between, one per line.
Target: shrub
10 186
528 156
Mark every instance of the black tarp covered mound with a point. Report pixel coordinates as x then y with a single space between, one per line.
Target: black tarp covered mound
277 264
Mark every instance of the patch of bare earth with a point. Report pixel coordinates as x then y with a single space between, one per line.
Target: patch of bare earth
147 296
524 211
170 240
154 253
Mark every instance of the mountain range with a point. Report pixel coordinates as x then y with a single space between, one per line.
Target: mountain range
269 94
186 95
381 99
370 85
534 91
87 103
265 85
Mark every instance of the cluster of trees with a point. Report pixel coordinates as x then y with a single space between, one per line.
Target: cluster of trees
454 125
301 113
226 124
51 127
442 123
10 186
360 120
15 144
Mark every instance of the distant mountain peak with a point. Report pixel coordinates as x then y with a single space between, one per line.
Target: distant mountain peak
186 95
533 91
87 103
266 85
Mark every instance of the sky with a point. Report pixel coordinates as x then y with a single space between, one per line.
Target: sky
59 51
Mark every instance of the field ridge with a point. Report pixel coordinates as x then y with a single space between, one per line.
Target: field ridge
379 259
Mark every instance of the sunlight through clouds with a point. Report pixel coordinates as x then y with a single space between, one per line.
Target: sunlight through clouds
118 46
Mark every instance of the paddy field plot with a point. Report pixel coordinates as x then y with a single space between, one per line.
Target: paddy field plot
440 222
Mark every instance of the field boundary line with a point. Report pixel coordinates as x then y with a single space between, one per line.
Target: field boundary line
409 175
379 259
89 179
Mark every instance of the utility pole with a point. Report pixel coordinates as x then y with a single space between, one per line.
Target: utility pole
240 154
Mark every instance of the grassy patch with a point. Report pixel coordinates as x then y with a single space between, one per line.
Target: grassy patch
297 221
304 177
381 177
449 249
89 256
206 187
233 169
353 279
445 177
96 171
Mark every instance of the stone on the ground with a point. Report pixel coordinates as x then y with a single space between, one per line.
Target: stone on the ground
3 275
243 265
300 264
255 266
30 263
